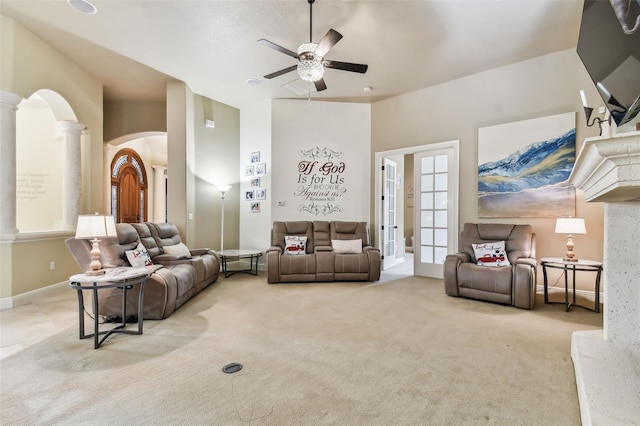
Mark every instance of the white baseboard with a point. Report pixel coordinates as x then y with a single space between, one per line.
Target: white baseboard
30 296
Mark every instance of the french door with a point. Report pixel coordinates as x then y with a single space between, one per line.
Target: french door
435 212
390 215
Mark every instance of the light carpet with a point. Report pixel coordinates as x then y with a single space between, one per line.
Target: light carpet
390 353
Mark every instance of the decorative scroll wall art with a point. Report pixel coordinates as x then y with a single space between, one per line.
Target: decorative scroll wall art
321 181
523 168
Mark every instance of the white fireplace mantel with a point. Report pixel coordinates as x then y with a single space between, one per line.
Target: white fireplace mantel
608 169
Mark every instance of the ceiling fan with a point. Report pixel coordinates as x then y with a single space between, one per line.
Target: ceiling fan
310 56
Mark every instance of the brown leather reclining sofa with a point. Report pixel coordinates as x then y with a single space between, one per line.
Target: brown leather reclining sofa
320 262
510 285
173 281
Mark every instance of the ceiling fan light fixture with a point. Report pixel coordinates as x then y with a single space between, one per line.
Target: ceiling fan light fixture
310 65
310 70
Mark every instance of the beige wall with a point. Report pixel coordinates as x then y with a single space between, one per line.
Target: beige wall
455 110
217 160
126 117
28 65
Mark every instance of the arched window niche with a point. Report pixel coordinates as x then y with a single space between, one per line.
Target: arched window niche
48 164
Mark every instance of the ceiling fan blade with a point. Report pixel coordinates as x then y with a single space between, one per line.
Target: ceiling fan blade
320 85
278 48
346 66
281 72
328 41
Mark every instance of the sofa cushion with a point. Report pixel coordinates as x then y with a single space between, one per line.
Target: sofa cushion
179 250
491 254
295 245
147 239
347 246
138 257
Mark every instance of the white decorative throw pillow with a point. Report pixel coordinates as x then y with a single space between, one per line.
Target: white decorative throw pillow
347 246
491 254
295 244
138 257
178 250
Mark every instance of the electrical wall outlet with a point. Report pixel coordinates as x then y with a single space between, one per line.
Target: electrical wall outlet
52 265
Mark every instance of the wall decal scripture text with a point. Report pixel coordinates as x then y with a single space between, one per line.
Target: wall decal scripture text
321 181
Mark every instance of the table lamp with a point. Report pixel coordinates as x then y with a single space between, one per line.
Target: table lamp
570 226
93 227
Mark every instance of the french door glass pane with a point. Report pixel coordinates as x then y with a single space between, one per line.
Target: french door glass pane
440 200
426 236
440 219
426 254
441 182
426 200
441 163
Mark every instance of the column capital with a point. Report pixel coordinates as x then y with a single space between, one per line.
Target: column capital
9 100
71 126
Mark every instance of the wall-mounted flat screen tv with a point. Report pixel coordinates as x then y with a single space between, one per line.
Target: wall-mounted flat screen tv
611 57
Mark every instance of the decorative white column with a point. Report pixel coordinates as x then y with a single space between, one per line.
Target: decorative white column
605 362
72 173
622 270
159 194
8 107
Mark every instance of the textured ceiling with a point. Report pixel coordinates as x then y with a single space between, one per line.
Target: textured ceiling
134 47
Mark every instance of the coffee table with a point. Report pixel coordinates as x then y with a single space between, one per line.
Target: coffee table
239 254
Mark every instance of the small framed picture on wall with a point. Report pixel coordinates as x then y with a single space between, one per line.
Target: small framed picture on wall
255 207
249 170
255 182
261 194
249 196
255 157
261 169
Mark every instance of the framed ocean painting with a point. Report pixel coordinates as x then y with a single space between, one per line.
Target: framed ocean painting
523 168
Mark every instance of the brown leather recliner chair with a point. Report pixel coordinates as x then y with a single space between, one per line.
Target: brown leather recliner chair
510 285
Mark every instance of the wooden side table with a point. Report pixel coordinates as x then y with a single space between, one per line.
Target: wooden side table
580 265
124 278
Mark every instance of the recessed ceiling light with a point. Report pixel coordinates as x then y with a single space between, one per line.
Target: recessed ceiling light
367 89
254 82
83 6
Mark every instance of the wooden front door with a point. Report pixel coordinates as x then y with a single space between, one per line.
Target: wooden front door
129 210
128 187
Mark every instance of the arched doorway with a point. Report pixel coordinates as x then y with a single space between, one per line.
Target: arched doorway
128 187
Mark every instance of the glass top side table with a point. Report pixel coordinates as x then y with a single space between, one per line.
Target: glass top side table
567 266
124 278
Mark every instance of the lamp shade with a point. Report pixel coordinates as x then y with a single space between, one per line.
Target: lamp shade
570 225
96 226
223 187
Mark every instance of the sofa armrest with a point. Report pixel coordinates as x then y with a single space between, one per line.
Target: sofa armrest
526 261
277 249
163 258
524 283
451 263
201 251
318 249
370 249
